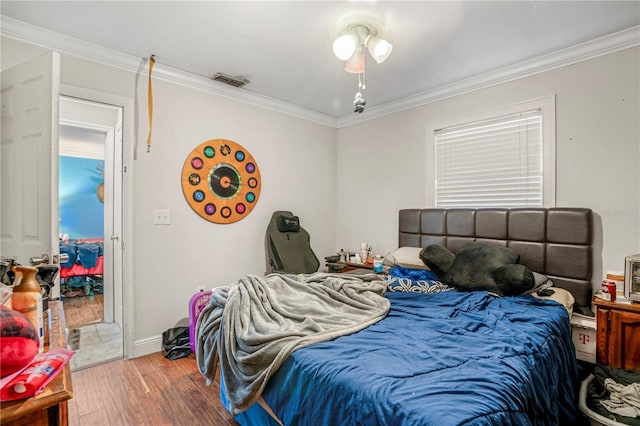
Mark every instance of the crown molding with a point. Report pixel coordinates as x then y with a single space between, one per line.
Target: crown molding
32 34
611 43
35 35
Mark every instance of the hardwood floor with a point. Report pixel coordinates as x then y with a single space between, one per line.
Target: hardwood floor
83 310
149 390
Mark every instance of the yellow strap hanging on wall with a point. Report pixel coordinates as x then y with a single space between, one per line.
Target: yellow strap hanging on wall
152 61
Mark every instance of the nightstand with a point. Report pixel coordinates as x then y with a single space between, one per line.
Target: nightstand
618 334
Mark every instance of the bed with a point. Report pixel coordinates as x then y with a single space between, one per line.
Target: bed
433 358
84 269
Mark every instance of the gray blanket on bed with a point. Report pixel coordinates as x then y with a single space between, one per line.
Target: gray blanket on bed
253 325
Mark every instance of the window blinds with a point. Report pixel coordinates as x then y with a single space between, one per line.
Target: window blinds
491 163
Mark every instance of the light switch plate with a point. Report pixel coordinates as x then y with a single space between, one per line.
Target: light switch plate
161 217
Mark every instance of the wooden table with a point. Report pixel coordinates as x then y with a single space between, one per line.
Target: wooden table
50 406
353 266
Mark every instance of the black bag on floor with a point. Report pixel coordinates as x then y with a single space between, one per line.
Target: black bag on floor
175 343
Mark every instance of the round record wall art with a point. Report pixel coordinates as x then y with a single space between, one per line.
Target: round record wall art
221 181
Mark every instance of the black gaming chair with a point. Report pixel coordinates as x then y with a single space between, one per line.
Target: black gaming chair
288 247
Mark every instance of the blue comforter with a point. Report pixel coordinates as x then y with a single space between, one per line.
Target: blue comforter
440 359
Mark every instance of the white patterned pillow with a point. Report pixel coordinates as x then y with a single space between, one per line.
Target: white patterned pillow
407 257
407 285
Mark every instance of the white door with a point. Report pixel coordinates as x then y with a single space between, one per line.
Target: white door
28 170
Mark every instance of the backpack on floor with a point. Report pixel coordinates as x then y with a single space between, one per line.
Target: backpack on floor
175 343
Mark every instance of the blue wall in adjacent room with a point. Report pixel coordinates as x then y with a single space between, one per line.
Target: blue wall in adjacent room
81 213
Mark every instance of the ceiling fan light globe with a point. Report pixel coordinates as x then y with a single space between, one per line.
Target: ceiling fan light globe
379 49
355 64
344 46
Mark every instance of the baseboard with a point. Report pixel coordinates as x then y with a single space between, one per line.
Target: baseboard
147 346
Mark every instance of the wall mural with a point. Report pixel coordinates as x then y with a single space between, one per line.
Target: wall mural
81 194
221 181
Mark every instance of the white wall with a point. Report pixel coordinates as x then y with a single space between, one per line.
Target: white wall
381 163
297 166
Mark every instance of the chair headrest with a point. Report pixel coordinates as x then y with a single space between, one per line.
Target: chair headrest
288 223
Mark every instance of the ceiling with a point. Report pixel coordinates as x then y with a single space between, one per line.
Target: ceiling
284 47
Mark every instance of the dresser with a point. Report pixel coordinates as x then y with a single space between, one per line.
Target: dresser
50 406
618 334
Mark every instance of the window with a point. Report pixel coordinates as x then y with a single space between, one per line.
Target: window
498 161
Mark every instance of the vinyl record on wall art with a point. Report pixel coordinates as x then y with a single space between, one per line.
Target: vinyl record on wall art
221 181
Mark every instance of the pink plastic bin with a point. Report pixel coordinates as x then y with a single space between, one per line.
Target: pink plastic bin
196 304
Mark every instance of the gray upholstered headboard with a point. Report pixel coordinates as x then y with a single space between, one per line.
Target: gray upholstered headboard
556 242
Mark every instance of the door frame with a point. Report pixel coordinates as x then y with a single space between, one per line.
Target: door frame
112 289
123 245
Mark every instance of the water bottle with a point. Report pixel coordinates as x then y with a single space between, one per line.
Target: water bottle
378 268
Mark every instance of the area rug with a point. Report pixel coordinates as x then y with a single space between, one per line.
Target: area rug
94 344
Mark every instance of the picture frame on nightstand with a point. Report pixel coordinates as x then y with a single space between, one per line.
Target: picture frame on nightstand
632 277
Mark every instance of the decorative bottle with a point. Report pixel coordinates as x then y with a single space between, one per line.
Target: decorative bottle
364 252
27 298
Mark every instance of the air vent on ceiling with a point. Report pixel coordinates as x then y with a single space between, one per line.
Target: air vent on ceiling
227 79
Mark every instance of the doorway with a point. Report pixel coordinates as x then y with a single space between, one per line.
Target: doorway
90 167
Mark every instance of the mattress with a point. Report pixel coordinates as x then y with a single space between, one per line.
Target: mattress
440 359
